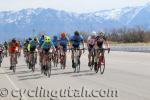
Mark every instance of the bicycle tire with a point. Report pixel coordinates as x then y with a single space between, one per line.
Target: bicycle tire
14 68
102 67
49 70
78 66
33 64
0 61
96 67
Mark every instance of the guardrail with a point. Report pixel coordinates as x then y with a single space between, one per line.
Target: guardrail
131 48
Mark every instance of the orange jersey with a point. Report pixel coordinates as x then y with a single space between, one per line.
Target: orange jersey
13 47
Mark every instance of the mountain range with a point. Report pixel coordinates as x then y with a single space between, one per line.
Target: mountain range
29 22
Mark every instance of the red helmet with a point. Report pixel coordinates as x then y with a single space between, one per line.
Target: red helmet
63 35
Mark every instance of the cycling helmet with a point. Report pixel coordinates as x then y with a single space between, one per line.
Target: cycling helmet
42 36
14 40
27 41
101 34
94 33
35 39
47 39
76 33
63 35
30 39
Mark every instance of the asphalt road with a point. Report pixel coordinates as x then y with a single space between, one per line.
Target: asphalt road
127 77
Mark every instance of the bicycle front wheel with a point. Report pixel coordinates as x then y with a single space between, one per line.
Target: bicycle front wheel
14 68
102 67
49 69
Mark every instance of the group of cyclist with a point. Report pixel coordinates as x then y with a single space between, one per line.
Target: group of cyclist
58 43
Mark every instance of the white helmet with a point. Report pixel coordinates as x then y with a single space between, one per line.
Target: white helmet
94 33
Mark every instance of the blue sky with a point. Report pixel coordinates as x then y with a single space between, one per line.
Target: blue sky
78 6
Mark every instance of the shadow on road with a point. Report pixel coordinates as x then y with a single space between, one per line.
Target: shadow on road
86 74
30 78
71 72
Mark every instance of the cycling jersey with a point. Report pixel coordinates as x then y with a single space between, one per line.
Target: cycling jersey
100 41
76 41
32 45
13 47
47 45
55 42
63 43
91 42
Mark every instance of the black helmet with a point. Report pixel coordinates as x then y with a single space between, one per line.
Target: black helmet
76 33
30 39
43 36
13 40
35 39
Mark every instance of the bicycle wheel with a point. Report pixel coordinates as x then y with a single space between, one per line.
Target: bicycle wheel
33 64
0 61
78 66
96 67
63 62
14 62
92 64
75 67
49 69
55 60
14 68
102 67
91 67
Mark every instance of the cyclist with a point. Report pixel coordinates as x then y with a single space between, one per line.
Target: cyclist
1 47
41 41
5 47
1 53
13 49
25 47
55 42
76 41
32 48
101 41
90 44
63 42
46 46
56 52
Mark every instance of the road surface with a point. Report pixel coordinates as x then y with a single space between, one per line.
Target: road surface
127 77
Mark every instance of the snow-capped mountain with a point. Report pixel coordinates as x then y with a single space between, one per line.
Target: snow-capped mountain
21 23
